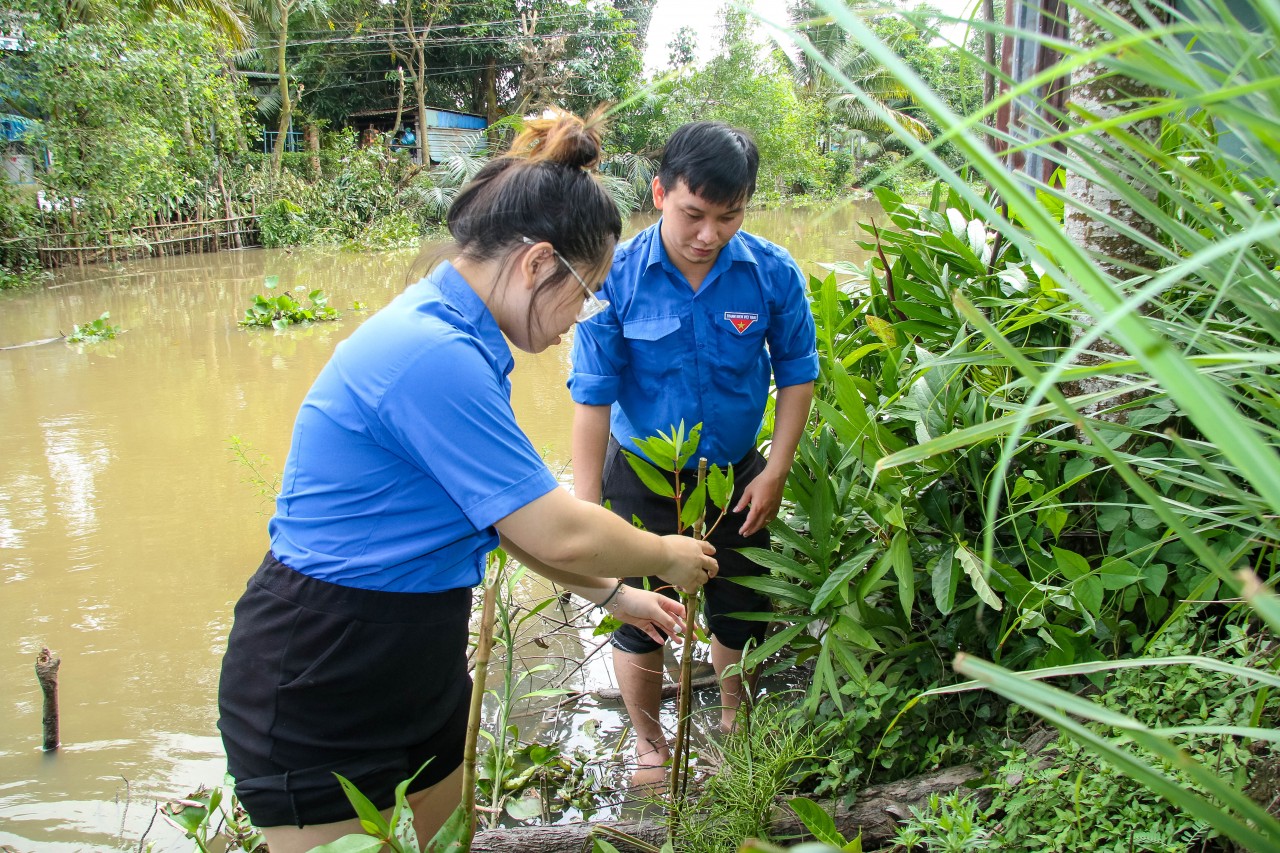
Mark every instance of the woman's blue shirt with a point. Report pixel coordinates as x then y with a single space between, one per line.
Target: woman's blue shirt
406 450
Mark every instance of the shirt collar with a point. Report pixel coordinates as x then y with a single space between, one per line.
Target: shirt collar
735 250
459 296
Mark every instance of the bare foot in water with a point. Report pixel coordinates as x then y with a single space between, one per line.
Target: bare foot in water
652 758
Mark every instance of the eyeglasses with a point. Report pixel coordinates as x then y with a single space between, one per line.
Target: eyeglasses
592 305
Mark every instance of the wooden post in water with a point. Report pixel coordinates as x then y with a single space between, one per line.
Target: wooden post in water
47 674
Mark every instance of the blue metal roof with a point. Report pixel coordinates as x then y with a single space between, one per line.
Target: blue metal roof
12 127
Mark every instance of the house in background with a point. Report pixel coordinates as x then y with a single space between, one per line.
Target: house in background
19 164
449 132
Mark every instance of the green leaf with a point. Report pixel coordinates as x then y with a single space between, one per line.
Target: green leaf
1243 820
653 479
1154 576
351 844
777 588
772 645
402 815
946 579
840 577
270 282
781 563
1071 564
658 448
1111 517
365 810
687 446
1088 592
455 835
850 629
1054 520
904 568
695 502
1117 574
815 819
719 486
977 576
526 807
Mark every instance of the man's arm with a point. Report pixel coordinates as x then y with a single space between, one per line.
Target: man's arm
764 493
590 442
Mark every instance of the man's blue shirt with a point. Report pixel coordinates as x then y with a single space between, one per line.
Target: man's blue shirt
406 451
663 353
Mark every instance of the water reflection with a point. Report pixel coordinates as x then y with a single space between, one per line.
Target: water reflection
75 460
127 530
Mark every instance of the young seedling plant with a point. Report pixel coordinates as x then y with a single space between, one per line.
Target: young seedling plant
660 472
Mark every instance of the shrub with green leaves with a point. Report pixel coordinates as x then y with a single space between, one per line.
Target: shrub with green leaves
283 223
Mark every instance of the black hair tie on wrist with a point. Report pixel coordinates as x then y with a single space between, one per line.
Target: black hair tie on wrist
604 605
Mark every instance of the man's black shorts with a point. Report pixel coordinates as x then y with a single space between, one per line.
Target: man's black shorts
321 679
628 497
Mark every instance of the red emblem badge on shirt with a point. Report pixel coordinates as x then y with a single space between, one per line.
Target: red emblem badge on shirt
741 321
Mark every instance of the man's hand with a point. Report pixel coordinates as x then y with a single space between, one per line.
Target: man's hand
764 497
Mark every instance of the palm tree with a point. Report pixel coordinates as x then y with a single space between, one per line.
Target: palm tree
227 18
889 98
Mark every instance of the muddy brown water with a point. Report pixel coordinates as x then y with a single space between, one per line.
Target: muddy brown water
127 530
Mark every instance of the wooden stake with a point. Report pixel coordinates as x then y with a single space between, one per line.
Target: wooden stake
47 674
679 777
484 648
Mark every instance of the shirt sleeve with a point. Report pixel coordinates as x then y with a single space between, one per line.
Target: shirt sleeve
792 336
599 356
451 414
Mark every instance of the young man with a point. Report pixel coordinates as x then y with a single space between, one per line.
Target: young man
700 314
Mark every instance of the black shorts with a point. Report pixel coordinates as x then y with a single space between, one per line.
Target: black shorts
630 498
321 679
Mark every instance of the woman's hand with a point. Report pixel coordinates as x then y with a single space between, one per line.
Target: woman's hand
648 611
689 562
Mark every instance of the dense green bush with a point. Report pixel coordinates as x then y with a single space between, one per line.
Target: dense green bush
298 163
283 223
19 233
1103 808
880 575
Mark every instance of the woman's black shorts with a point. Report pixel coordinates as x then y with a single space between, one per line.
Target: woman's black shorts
630 498
321 679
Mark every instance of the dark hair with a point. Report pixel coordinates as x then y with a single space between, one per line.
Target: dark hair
543 188
715 161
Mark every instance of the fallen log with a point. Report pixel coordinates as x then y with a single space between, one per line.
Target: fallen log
875 812
669 689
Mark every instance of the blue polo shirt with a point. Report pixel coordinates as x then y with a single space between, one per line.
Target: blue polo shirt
663 353
406 451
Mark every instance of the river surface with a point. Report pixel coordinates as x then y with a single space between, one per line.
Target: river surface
128 528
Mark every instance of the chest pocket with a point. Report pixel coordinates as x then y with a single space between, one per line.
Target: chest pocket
653 343
741 352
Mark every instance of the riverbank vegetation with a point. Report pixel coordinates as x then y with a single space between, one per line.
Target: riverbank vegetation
154 128
1044 446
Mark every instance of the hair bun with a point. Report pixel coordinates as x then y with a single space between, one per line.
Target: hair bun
560 137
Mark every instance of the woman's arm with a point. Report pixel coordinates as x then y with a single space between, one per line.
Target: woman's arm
648 611
559 531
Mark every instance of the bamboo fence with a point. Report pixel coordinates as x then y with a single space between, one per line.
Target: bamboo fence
186 237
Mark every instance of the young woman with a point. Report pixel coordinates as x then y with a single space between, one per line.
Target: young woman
348 651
